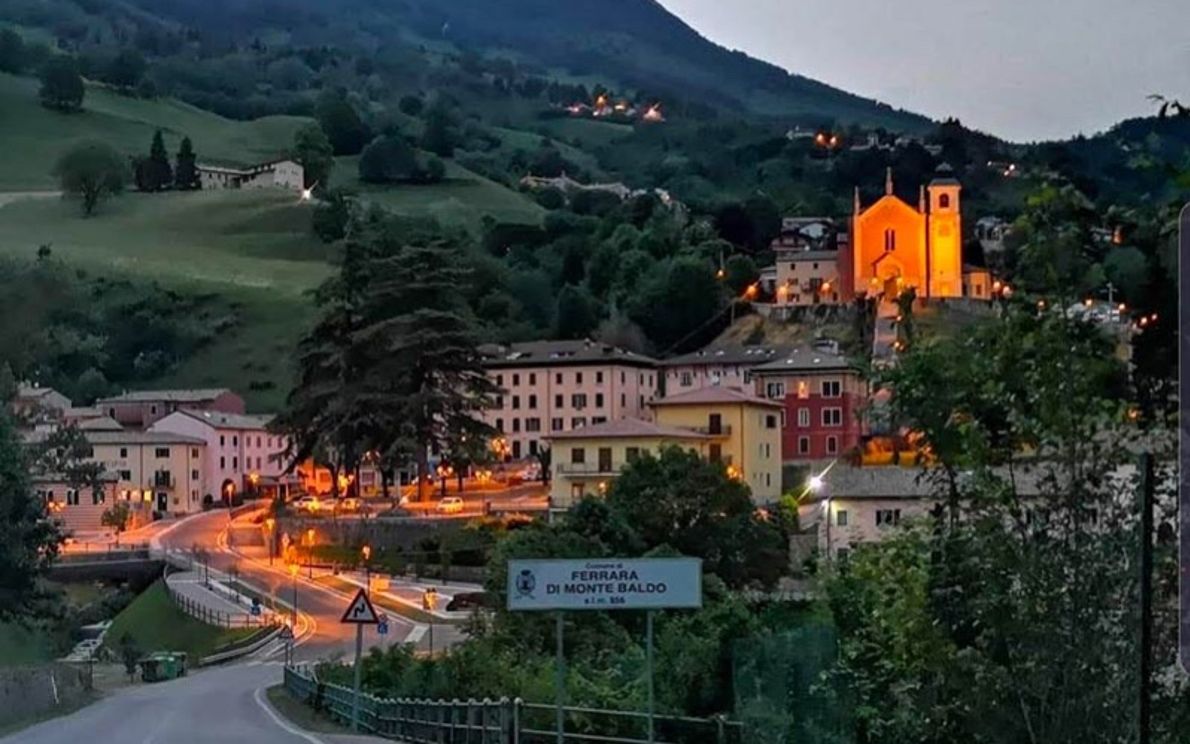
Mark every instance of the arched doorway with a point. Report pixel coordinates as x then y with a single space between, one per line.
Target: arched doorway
889 276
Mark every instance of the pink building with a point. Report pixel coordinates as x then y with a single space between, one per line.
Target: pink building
725 366
557 386
823 396
141 408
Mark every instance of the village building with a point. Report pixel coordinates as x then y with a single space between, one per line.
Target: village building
161 468
34 403
81 509
549 387
822 396
281 174
714 366
241 453
142 408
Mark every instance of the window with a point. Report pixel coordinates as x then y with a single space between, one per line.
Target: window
803 445
686 379
578 401
622 377
944 201
222 462
126 475
578 378
258 441
499 424
623 400
516 402
499 401
803 417
194 453
500 380
235 441
532 378
532 402
715 453
532 424
532 446
714 423
888 517
235 463
841 518
559 401
605 459
161 452
516 449
222 442
72 497
516 425
578 422
768 480
556 424
832 389
766 450
890 240
774 390
558 378
123 453
803 389
516 379
632 454
770 421
598 420
832 416
153 410
194 475
578 455
599 400
832 445
598 378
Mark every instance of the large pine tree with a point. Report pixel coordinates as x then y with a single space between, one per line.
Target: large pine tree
28 541
186 174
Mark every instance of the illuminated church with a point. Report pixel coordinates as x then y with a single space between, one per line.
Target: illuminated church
890 246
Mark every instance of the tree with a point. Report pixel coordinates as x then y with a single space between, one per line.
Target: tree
389 159
346 131
126 69
66 454
411 105
61 85
91 170
741 273
116 516
440 134
577 313
28 541
692 505
332 216
186 174
313 151
12 52
154 173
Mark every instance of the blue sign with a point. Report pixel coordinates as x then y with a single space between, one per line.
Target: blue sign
382 627
255 606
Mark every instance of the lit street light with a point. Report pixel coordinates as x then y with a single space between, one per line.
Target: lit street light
293 572
270 524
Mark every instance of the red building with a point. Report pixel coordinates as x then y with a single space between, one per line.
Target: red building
824 397
143 408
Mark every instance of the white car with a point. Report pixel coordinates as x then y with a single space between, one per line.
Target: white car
450 505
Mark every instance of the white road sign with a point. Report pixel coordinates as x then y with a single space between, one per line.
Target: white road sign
605 584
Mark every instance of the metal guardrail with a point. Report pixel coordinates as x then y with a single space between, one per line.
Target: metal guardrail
198 611
502 721
243 649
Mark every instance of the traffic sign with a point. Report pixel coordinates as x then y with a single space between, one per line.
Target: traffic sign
361 611
605 584
382 626
255 606
286 633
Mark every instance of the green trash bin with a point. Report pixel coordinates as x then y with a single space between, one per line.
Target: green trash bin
163 665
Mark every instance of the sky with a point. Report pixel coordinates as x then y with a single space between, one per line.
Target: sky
1024 70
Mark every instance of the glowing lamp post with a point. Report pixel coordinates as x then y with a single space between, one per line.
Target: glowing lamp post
293 572
270 524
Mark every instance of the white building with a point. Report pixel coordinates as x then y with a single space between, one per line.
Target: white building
241 452
282 174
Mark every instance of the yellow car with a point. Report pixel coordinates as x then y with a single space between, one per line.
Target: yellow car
450 505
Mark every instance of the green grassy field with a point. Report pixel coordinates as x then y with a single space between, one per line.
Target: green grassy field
462 199
253 249
19 646
34 137
157 625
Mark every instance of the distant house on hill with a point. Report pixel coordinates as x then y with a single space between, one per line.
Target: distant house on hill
282 174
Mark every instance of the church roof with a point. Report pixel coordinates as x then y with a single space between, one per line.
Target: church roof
944 176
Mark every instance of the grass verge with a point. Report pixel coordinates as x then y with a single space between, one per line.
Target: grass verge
300 714
156 624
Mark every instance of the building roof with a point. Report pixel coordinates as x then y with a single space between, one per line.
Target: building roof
140 437
100 423
726 355
944 176
560 353
892 482
220 420
714 396
628 429
197 395
794 253
27 391
805 359
107 476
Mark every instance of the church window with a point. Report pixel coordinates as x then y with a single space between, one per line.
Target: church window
944 201
890 240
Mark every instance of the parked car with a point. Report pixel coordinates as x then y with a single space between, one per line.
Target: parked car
450 505
307 504
349 504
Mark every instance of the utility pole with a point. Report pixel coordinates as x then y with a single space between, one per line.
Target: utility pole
1144 715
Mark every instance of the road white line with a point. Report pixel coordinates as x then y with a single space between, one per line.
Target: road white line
281 721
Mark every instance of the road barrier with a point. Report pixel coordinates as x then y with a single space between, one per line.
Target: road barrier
198 611
502 721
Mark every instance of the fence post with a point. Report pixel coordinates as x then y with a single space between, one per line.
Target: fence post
720 729
516 721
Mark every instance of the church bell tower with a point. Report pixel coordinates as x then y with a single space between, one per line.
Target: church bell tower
945 249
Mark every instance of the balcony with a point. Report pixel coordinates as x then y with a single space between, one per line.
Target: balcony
163 479
722 430
588 468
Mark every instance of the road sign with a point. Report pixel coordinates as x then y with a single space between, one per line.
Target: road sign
286 633
361 611
255 606
382 626
605 584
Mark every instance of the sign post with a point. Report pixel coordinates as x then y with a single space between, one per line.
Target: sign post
647 584
360 613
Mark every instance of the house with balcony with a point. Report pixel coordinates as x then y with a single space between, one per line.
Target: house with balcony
743 432
822 395
553 387
142 408
162 468
586 460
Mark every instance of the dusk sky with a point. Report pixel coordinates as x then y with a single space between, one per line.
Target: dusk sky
1020 69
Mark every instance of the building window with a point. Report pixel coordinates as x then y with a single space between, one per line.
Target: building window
890 240
123 453
598 420
222 442
125 475
499 425
500 380
622 377
578 378
153 410
832 445
532 424
235 463
715 453
194 453
578 401
599 400
578 422
194 475
516 379
556 424
803 389
832 389
235 441
944 201
499 401
161 452
803 417
559 401
832 416
258 442
222 462
558 378
888 517
72 497
98 496
516 425
686 379
605 459
774 390
516 449
803 445
623 400
532 378
770 421
598 378
768 480
532 446
841 518
516 402
578 455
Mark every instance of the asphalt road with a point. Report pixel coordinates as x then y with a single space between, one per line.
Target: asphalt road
221 705
321 608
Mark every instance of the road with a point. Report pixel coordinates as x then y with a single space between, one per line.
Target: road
221 705
321 607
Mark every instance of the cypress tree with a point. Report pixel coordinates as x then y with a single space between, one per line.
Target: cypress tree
161 176
186 174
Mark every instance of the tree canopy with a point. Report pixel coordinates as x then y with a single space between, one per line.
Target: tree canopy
91 170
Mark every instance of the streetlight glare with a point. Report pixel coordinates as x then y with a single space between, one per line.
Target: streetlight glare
815 482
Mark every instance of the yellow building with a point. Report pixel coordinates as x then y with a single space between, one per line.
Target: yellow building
896 246
162 468
585 460
744 433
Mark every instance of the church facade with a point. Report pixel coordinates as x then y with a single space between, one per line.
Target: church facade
890 246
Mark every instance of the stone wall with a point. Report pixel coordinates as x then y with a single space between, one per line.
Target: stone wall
27 692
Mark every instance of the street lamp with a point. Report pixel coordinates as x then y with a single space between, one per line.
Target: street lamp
293 572
366 553
310 551
271 523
